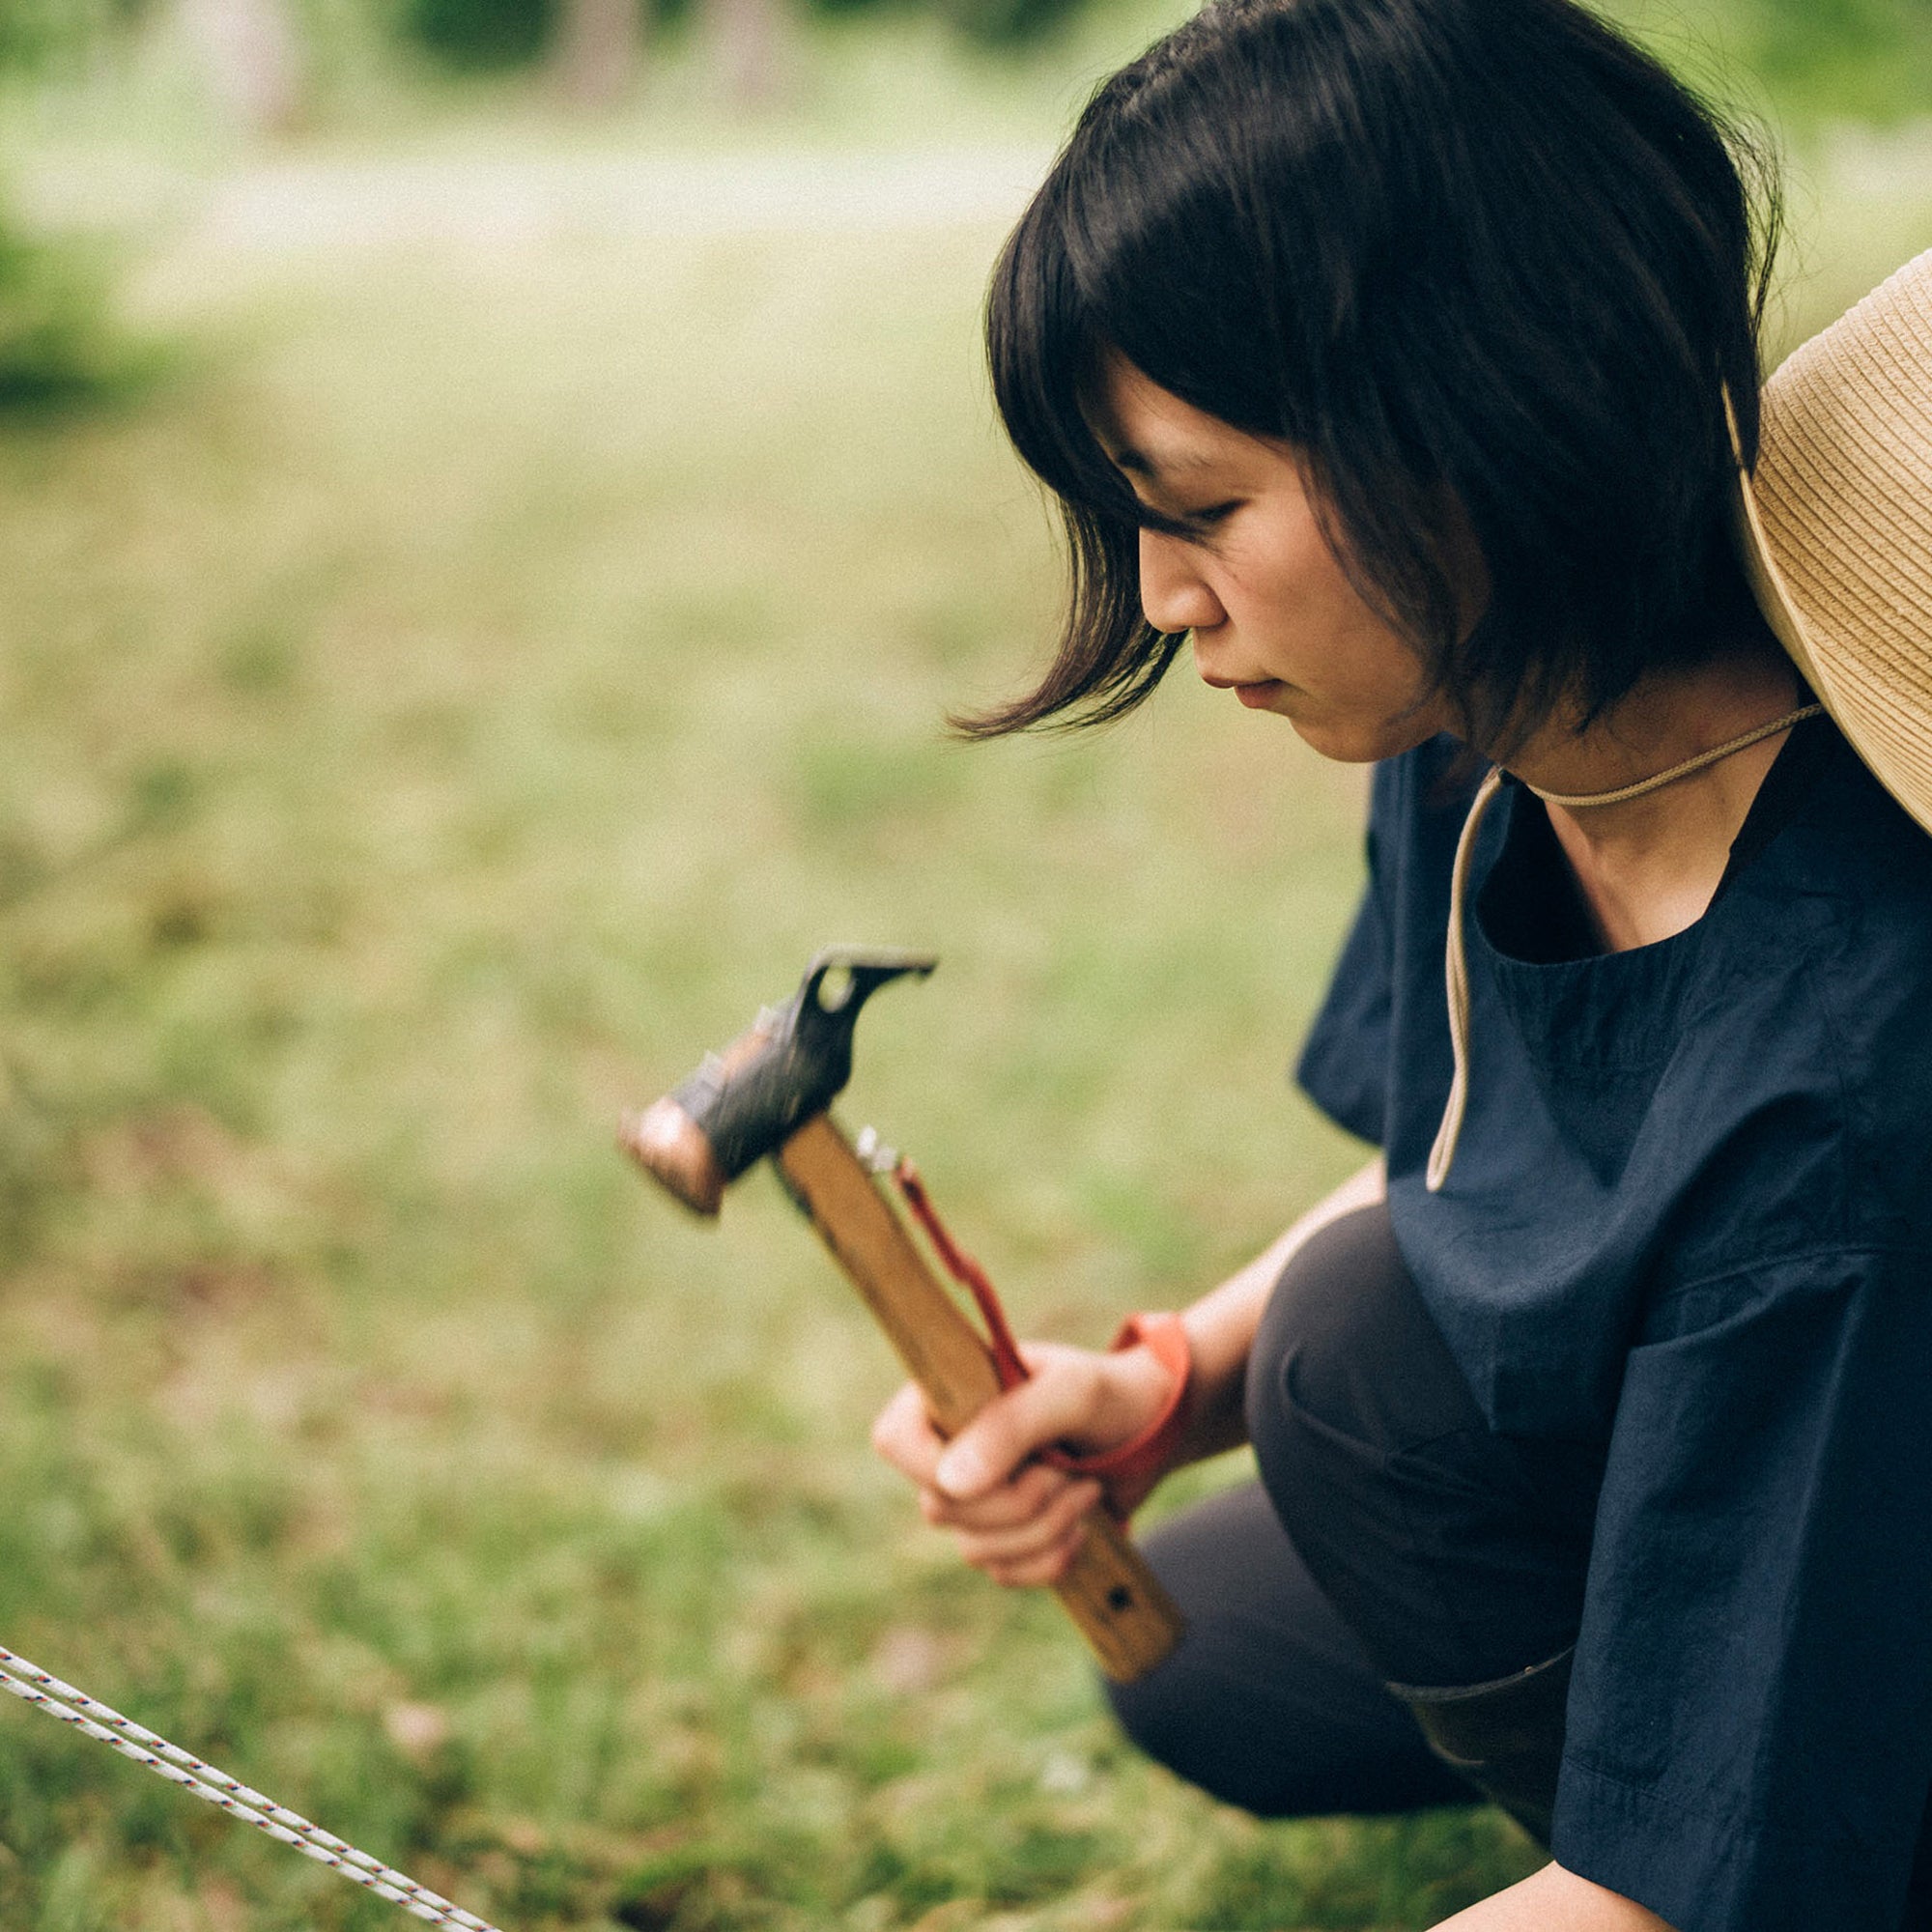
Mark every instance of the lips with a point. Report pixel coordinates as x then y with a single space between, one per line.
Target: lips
1256 692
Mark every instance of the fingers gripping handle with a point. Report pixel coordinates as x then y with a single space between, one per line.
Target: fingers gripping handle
1117 1601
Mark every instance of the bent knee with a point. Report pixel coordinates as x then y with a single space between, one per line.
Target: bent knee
1348 1371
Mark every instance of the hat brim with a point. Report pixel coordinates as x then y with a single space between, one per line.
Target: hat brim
1814 664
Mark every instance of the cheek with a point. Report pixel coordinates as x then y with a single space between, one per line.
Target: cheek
1350 651
1382 666
1366 657
1322 635
1293 574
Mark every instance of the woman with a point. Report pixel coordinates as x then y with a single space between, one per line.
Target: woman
1398 354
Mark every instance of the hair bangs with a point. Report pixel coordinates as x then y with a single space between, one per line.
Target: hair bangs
1045 350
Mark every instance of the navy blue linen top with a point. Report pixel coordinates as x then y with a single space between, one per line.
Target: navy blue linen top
1691 1216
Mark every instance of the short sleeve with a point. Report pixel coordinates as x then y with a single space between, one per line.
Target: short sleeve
1750 1739
1344 1064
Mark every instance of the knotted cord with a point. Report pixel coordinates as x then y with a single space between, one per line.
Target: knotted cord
35 1686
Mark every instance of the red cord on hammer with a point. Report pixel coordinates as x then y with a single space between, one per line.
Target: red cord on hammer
1144 1458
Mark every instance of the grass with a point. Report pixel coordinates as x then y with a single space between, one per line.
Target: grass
466 690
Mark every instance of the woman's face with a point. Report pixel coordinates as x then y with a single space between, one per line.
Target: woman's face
1274 616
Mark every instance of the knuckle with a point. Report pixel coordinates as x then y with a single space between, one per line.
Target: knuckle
1038 1484
1082 1497
1063 1556
998 1512
892 1423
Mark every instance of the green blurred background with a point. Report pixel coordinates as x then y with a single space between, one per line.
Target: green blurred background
495 500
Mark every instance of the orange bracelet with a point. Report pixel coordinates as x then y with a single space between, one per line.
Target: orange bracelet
1146 1454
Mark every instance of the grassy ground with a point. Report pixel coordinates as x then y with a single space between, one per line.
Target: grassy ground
480 678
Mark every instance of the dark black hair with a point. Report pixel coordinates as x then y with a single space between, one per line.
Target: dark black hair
1482 263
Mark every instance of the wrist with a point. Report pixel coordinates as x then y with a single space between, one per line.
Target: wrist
1150 1374
1140 1391
1217 1383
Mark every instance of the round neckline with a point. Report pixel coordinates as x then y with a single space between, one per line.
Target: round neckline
1801 764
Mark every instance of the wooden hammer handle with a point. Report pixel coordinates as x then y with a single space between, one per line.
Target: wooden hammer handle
1110 1592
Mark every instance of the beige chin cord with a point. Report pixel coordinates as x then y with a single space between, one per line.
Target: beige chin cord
1456 969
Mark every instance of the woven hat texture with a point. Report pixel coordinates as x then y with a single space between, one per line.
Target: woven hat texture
1838 525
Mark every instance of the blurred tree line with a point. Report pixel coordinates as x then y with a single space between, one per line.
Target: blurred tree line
55 344
264 59
1859 58
265 62
261 58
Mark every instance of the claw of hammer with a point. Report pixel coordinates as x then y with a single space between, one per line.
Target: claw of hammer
787 1066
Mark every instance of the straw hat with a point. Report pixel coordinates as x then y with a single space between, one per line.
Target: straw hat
1837 525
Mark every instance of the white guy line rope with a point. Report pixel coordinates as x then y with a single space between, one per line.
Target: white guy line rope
33 1686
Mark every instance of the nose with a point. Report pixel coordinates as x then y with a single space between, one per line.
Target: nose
1175 596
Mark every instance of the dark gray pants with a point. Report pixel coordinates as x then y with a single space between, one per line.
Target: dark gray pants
1393 1537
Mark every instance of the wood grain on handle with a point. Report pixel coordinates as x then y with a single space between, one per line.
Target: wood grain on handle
1117 1602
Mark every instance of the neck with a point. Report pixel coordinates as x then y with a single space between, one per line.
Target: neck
1668 718
1649 866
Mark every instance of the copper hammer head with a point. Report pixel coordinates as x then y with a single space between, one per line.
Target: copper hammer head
787 1066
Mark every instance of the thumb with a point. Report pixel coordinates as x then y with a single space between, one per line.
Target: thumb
1010 1429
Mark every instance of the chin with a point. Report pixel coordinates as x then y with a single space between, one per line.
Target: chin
1355 742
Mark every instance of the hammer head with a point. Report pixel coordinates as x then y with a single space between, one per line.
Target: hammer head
748 1100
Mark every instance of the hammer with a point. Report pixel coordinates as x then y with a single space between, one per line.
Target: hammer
769 1093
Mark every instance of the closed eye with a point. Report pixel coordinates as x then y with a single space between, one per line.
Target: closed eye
1196 525
1213 517
1202 526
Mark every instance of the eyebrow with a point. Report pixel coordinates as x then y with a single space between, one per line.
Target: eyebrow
1135 462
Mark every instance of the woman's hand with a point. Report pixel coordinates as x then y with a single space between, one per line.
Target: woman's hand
1556 1900
1017 1518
